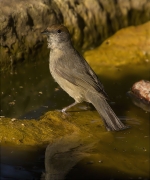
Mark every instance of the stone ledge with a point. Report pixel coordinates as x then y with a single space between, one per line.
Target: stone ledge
48 128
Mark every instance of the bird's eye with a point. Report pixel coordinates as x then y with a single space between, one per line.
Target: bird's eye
59 31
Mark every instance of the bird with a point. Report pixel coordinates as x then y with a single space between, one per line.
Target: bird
75 76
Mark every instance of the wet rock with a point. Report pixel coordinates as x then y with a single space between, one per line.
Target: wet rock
90 22
35 132
140 94
127 46
51 126
142 90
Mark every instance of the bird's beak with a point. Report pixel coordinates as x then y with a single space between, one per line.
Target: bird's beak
46 32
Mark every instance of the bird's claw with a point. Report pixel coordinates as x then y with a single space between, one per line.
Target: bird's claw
64 111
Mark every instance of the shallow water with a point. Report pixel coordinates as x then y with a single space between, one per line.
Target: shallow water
119 155
30 92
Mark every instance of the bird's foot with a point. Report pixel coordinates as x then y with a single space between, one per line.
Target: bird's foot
64 111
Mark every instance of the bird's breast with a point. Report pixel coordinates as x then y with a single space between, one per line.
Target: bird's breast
54 58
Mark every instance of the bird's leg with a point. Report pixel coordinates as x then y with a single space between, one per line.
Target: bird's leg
68 107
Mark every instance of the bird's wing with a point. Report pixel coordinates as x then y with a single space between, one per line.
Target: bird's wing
80 73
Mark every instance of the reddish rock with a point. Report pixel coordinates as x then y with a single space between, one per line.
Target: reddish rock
142 90
140 94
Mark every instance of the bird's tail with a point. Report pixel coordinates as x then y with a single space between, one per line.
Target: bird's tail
111 121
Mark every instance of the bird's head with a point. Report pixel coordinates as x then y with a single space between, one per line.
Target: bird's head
56 35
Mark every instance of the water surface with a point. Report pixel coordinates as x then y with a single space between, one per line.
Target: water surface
31 91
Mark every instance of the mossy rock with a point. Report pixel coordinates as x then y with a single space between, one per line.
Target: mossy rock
127 46
49 127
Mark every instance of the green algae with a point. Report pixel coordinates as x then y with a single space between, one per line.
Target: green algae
33 132
49 127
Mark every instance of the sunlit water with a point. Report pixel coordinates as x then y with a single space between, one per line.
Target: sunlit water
31 91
